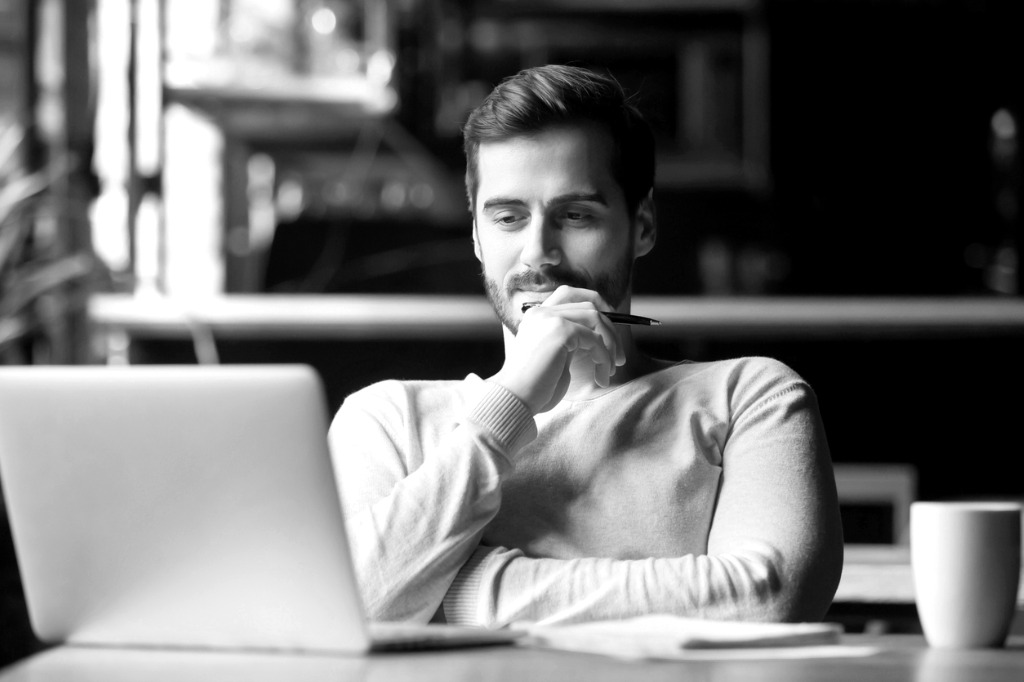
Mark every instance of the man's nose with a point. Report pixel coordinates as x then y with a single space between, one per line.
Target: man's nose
541 244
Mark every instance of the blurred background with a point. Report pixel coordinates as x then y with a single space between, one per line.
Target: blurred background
838 186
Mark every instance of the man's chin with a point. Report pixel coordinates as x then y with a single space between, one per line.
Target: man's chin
502 306
506 317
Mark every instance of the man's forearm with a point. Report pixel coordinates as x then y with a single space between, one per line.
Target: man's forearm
499 587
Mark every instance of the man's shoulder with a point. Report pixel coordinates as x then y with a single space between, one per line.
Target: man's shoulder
721 394
732 372
737 382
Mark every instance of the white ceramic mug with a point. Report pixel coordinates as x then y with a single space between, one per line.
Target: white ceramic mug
966 564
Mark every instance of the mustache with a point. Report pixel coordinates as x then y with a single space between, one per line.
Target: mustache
531 279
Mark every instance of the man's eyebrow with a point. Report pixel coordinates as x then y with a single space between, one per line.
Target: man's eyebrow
502 201
595 197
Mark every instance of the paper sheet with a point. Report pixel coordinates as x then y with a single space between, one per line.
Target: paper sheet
674 637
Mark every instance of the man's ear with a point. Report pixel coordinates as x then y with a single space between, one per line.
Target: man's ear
646 231
476 243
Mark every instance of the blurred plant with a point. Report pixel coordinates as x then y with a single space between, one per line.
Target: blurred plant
42 279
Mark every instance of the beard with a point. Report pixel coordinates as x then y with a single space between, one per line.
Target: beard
612 286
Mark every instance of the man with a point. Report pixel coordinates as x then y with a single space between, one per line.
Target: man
584 480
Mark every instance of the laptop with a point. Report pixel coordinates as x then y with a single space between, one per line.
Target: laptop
185 506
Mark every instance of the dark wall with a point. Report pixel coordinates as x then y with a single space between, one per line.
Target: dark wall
880 137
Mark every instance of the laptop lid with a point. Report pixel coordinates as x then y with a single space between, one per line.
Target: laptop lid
183 506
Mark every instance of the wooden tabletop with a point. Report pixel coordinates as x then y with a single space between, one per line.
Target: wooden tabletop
858 658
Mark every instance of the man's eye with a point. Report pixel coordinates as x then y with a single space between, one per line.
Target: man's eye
506 219
577 217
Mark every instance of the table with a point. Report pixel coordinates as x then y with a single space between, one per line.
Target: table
889 658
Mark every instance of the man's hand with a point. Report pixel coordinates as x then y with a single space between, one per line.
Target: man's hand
568 326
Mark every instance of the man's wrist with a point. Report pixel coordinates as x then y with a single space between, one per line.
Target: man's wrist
515 389
505 415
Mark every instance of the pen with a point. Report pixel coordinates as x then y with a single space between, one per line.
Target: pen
617 318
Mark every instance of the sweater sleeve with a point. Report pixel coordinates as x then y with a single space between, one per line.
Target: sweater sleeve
774 549
415 511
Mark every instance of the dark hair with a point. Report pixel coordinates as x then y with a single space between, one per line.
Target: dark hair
544 96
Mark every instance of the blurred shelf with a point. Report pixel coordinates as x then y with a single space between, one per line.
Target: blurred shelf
838 316
286 107
394 316
300 316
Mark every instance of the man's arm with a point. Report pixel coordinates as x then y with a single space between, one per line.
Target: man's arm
415 510
774 550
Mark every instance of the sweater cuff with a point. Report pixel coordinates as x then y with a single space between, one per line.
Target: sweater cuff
462 603
503 414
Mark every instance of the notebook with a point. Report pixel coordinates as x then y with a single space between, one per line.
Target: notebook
666 636
185 506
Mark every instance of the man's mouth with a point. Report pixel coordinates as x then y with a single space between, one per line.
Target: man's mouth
530 299
550 281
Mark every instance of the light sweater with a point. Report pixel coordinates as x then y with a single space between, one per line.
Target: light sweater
703 489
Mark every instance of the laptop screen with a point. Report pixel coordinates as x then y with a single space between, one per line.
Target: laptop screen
186 506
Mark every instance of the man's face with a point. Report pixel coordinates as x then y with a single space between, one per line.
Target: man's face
549 212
